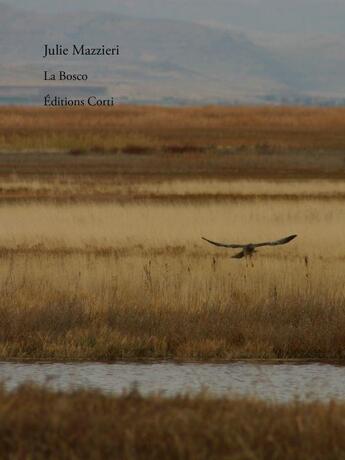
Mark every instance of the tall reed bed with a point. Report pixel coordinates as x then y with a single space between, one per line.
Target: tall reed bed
37 423
136 281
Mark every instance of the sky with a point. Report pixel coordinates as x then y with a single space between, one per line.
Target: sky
271 16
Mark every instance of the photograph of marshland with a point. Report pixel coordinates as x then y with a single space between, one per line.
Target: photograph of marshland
102 261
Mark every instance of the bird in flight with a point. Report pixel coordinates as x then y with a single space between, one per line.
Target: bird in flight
249 248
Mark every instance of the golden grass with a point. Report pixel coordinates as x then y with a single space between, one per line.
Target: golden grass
121 189
112 281
173 130
319 224
40 424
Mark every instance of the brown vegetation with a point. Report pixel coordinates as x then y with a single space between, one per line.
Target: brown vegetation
173 129
88 166
101 256
112 281
148 189
40 424
136 142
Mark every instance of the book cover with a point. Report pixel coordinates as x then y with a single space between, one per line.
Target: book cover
172 229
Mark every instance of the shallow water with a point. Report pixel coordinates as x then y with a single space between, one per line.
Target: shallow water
273 382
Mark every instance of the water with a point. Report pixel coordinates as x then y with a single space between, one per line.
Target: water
272 382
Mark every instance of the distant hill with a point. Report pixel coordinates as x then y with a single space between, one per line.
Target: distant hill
269 16
168 60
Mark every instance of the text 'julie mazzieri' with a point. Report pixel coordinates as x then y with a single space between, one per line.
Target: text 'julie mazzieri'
80 50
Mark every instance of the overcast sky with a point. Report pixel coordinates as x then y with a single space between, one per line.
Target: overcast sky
278 16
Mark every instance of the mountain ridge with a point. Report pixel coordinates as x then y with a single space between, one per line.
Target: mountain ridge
159 58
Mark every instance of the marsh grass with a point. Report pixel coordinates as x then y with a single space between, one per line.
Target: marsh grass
144 129
98 308
101 255
101 168
141 227
41 424
167 190
107 282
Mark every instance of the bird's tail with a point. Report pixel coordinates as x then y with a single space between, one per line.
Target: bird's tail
239 255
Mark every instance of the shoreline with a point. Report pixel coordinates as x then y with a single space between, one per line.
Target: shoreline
148 361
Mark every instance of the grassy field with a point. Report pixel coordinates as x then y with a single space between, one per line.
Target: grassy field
39 424
125 281
101 253
159 189
95 147
172 130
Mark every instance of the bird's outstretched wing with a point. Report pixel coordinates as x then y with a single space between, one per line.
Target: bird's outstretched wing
285 240
224 245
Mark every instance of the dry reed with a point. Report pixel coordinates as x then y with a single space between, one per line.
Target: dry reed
145 129
40 424
166 190
126 282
